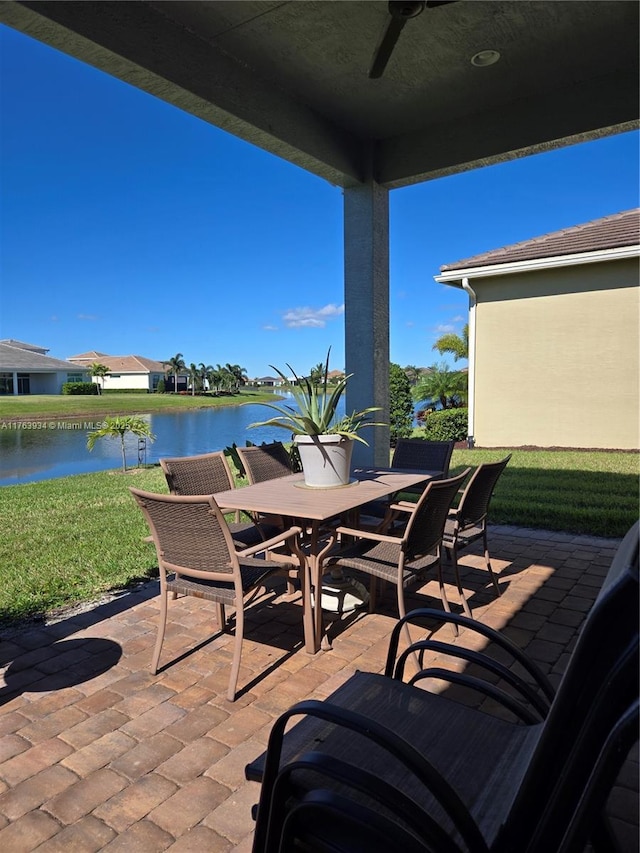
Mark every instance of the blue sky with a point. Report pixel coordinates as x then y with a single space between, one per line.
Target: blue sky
130 227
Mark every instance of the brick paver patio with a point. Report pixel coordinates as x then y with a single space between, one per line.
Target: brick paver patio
98 754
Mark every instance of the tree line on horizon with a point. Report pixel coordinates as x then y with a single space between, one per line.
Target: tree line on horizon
434 385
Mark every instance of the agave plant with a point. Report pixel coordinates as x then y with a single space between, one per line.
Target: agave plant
317 404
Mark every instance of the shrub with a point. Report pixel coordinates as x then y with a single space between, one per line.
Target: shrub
446 425
87 388
400 404
161 386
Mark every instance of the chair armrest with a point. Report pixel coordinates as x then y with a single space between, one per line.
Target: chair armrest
404 506
477 627
528 692
367 534
517 708
270 543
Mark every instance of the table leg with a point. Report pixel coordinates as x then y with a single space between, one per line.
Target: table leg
317 556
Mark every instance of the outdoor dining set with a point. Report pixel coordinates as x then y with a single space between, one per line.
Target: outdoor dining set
383 762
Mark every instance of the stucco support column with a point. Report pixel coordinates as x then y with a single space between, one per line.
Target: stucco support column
366 286
15 383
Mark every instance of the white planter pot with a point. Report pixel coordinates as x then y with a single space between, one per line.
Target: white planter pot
326 460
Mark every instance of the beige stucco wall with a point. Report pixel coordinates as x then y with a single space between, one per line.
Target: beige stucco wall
557 357
126 380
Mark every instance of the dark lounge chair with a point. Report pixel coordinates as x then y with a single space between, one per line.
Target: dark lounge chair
456 778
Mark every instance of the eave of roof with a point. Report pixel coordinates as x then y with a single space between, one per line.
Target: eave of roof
455 277
610 238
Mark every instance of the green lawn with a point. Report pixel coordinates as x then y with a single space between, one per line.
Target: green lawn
576 491
71 539
39 406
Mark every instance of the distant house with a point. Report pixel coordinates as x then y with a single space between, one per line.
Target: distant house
553 337
129 372
27 369
269 381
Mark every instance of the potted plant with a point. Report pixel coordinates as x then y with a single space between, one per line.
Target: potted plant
324 441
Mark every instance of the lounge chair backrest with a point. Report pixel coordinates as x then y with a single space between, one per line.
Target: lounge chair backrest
423 455
266 462
599 685
475 499
190 533
204 474
423 533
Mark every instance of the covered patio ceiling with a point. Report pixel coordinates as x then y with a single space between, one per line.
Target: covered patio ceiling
292 78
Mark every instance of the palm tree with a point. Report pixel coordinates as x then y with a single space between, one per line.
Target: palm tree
100 371
238 373
226 379
175 366
442 385
194 377
316 375
119 426
213 378
457 345
204 371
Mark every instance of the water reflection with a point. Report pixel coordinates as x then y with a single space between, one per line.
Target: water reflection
59 448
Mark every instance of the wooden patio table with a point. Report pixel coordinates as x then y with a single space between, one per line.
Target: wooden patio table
311 508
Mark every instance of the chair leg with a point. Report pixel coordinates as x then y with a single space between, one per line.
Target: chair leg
237 651
443 596
162 622
465 603
373 591
488 562
291 587
221 618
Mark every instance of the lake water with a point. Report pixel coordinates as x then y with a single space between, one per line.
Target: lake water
58 448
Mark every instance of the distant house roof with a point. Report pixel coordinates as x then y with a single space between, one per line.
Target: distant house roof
131 364
31 360
90 356
611 232
31 347
120 363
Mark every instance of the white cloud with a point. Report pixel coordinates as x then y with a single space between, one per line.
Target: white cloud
87 317
270 328
445 328
409 323
312 318
459 319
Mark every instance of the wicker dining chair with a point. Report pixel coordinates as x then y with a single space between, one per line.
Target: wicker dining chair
197 556
265 462
207 474
468 521
423 455
412 454
403 560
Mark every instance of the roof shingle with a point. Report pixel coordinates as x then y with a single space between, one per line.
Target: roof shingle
610 232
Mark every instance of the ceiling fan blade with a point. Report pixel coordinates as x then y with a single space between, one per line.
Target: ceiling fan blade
400 11
385 47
